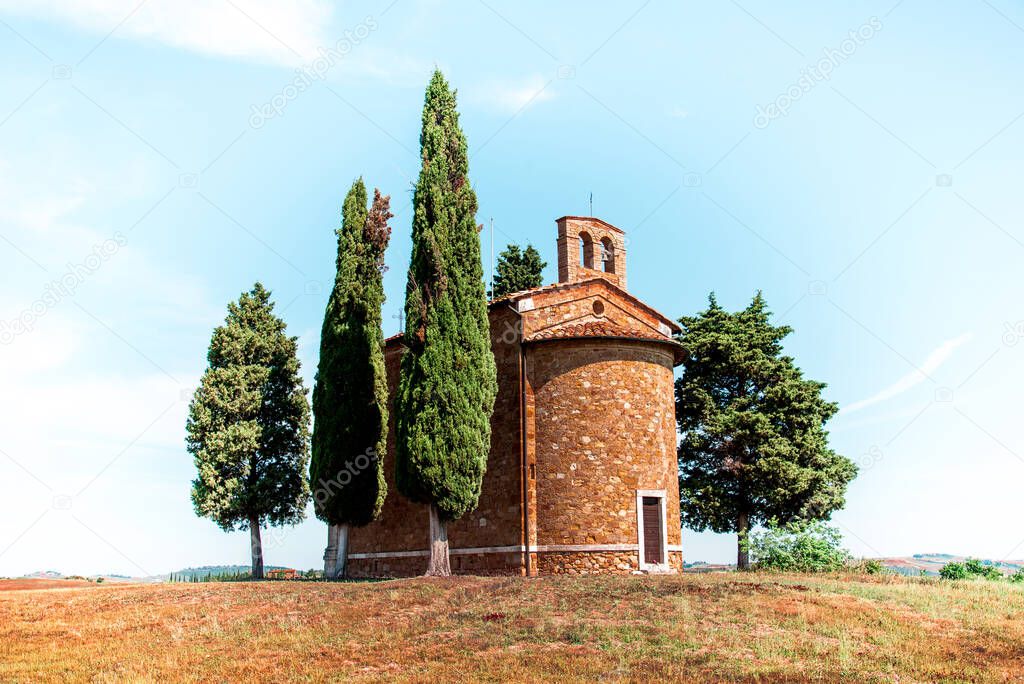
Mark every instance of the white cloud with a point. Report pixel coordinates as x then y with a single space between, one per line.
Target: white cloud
261 30
80 405
937 358
92 415
511 96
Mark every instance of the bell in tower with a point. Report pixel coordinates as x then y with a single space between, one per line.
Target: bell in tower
590 248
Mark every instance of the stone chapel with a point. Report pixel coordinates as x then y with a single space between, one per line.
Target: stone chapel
582 474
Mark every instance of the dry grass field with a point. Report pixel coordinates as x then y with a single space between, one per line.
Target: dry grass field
731 627
31 583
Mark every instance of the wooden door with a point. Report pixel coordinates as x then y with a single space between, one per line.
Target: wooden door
653 552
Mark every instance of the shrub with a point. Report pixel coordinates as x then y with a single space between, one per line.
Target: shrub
986 570
1017 576
972 568
872 566
954 571
799 547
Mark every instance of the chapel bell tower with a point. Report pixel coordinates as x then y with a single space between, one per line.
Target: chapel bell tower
590 248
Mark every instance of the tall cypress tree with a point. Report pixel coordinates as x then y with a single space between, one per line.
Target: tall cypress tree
754 445
350 398
448 378
248 425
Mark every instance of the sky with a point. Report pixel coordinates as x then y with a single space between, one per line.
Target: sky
860 164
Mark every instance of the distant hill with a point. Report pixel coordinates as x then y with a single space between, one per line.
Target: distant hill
54 575
184 575
202 572
931 563
928 564
701 566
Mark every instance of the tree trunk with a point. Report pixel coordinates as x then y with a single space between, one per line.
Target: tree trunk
256 545
439 564
331 552
341 562
742 533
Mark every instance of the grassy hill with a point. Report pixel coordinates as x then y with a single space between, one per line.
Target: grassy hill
721 626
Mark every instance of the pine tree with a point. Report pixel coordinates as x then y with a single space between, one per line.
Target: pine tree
448 379
754 446
350 398
248 425
517 270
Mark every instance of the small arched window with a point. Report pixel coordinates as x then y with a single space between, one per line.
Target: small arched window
607 255
586 250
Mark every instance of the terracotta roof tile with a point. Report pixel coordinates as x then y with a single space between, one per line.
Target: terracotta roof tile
595 329
533 290
513 296
591 218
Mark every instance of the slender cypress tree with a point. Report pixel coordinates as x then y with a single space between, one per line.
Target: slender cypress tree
350 398
754 445
448 378
248 425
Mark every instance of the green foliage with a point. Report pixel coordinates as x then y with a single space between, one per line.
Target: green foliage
972 568
1018 576
248 422
350 397
799 547
754 447
872 566
517 270
448 377
954 571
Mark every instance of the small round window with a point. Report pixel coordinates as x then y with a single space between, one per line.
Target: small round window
598 307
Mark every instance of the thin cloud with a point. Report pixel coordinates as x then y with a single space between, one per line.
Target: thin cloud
511 96
259 30
936 359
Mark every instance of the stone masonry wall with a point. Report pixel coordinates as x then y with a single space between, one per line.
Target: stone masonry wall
497 522
603 415
587 563
589 302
